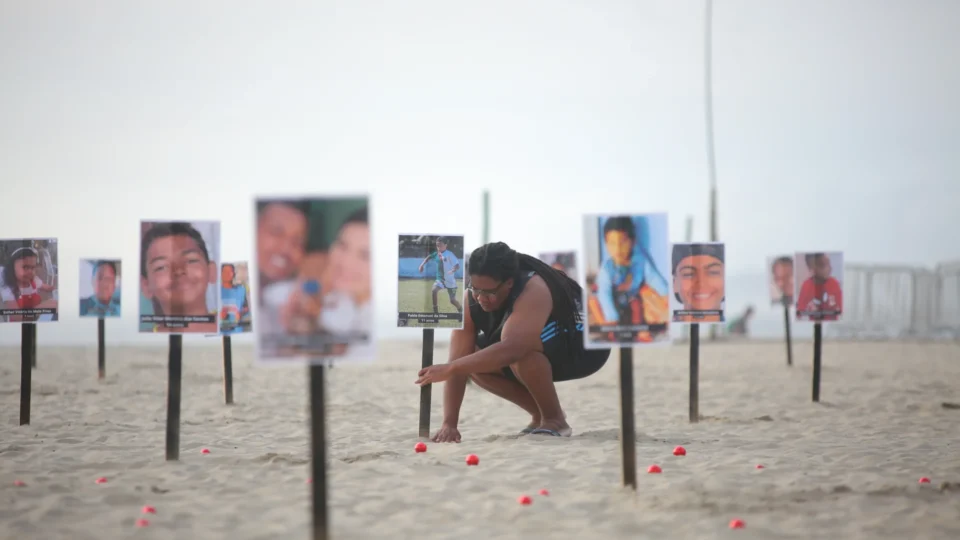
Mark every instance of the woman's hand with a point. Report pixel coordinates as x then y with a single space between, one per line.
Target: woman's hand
446 434
434 374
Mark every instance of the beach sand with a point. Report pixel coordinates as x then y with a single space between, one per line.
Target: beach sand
844 468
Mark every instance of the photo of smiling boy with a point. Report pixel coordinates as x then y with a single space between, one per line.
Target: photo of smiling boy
28 280
627 295
819 286
179 276
99 288
698 282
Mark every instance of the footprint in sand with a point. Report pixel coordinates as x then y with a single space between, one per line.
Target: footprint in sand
68 440
369 456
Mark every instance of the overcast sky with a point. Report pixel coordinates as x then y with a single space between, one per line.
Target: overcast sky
837 123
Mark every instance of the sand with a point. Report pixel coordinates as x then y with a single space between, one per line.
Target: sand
845 468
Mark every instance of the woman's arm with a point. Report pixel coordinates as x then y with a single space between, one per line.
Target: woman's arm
463 343
521 332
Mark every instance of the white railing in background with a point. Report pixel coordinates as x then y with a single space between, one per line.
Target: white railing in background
900 301
948 299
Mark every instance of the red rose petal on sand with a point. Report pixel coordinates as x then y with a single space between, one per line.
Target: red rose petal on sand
420 447
309 480
472 459
19 483
544 492
205 451
654 469
524 500
101 480
679 451
737 524
148 510
759 466
142 522
924 480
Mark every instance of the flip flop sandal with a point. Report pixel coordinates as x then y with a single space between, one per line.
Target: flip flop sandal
527 430
542 431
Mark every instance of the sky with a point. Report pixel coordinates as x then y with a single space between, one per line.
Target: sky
836 124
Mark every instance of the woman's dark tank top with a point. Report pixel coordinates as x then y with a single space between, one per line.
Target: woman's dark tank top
490 325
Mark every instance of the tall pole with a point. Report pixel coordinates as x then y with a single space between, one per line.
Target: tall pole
708 108
486 216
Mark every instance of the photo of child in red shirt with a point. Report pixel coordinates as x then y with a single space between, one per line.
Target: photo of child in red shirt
820 286
28 280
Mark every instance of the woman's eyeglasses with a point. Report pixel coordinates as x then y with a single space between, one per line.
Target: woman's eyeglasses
486 292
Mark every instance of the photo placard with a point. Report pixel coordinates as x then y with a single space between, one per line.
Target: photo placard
179 276
29 284
699 282
314 286
627 293
819 285
780 279
430 278
235 315
99 288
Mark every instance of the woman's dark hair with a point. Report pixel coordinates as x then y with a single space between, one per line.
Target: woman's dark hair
98 264
622 224
9 269
682 251
165 229
499 261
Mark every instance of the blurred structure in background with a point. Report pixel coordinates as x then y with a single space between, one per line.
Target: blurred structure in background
890 302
